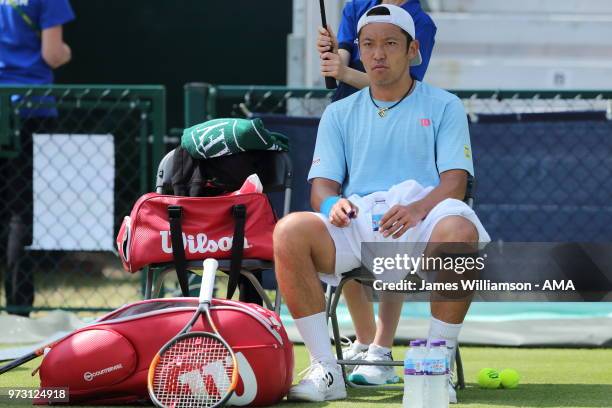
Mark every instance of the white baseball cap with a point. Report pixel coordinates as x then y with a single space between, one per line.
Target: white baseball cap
396 16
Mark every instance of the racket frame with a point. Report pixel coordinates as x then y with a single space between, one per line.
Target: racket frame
205 299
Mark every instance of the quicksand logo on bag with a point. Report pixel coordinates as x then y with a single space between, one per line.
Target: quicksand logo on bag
88 376
199 243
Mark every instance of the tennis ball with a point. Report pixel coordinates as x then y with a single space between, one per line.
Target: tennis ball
488 378
509 378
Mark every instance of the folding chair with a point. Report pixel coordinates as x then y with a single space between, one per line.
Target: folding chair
363 276
276 176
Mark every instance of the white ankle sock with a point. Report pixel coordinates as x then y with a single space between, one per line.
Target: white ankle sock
313 330
439 330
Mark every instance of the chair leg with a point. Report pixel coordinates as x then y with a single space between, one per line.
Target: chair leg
258 288
148 283
460 375
277 302
329 292
333 299
158 282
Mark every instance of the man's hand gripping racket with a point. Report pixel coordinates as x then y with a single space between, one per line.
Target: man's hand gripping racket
330 83
195 369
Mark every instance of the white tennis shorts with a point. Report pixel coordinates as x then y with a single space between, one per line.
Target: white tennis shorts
348 240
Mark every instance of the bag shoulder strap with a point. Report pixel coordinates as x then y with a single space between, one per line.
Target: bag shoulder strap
239 213
175 213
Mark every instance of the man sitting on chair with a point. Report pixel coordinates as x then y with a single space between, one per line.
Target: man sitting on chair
400 138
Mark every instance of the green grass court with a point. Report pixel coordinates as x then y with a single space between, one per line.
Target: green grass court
549 378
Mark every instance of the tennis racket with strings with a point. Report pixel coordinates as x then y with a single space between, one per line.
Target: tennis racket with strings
330 83
195 369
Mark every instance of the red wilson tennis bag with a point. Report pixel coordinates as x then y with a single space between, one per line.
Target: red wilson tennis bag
107 362
208 225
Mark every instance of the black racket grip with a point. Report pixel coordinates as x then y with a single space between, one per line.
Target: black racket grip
330 83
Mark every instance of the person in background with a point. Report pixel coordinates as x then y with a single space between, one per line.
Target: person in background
31 47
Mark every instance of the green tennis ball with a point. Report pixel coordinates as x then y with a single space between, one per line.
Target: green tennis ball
488 378
509 378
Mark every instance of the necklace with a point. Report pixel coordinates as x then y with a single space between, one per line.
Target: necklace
381 110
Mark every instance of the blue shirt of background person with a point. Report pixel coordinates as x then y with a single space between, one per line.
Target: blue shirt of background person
21 59
347 36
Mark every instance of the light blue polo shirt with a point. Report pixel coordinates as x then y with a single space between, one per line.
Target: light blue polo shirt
425 135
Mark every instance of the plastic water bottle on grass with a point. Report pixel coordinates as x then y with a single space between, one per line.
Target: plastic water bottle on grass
436 380
414 375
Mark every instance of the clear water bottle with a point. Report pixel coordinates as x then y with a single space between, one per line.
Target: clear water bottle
448 353
379 210
414 378
436 382
422 353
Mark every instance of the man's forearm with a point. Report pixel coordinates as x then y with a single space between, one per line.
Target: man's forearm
317 196
320 190
54 51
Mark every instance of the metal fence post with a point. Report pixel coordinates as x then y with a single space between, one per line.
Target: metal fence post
196 103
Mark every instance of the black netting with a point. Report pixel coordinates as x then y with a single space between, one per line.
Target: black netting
75 162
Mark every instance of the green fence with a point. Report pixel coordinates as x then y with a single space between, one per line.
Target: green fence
206 101
73 158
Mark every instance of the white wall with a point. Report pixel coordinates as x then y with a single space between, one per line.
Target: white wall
541 51
523 6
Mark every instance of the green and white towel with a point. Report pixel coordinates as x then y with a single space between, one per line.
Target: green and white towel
224 137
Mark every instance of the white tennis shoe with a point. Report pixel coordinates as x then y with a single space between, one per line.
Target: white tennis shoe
322 381
375 375
354 351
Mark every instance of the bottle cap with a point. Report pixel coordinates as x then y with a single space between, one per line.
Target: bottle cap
415 343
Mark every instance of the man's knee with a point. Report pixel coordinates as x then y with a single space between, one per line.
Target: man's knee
455 229
304 233
296 231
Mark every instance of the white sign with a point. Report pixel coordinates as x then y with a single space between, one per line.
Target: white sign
74 184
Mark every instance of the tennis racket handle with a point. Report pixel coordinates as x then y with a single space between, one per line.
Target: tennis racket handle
330 83
208 280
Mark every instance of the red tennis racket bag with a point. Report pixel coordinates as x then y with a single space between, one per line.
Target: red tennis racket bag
207 229
107 362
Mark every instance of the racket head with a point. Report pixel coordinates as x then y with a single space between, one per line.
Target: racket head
195 369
